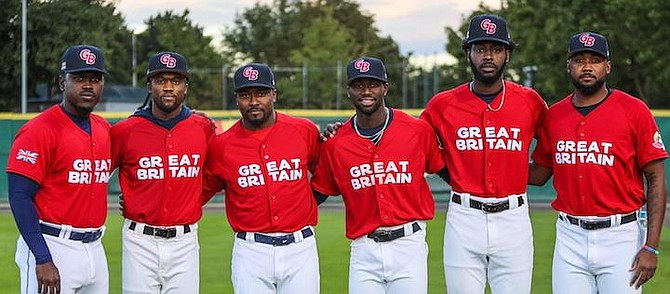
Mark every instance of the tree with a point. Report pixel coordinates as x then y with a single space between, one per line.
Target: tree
322 32
291 32
168 31
52 27
633 29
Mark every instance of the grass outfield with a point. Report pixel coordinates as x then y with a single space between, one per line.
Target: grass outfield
216 244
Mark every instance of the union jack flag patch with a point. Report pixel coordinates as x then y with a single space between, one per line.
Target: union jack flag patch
27 156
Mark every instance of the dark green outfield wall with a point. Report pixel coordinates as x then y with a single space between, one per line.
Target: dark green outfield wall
10 123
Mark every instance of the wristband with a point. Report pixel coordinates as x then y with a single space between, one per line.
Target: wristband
650 249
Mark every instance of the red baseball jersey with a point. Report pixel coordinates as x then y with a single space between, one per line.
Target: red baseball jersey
486 149
265 177
71 167
382 185
597 159
160 170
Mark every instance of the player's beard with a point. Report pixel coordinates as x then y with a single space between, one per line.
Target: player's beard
167 108
588 90
487 79
258 122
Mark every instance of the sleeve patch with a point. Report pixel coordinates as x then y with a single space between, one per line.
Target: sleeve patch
31 157
658 142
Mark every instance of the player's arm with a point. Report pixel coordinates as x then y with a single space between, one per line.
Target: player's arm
319 197
444 175
645 263
22 191
538 175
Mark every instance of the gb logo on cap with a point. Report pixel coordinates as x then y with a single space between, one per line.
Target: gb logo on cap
168 60
361 65
587 40
87 56
488 26
250 73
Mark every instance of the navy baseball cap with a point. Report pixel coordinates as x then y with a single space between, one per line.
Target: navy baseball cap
366 67
81 58
168 62
254 75
488 27
588 41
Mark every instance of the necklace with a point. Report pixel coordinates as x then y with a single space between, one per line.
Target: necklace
376 137
502 99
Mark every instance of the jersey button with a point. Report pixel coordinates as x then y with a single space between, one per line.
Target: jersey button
582 134
169 135
263 146
376 156
276 218
381 196
266 156
582 123
488 122
273 197
581 177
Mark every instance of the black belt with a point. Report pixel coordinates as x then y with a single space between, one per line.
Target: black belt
597 224
390 235
276 240
487 207
166 233
85 237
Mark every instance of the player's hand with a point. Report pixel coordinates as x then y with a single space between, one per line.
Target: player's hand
330 131
644 267
48 278
121 203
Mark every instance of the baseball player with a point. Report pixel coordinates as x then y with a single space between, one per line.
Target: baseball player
58 169
377 163
262 162
486 127
600 143
160 151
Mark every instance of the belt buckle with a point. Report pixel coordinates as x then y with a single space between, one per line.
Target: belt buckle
380 236
495 206
281 240
594 225
165 233
88 237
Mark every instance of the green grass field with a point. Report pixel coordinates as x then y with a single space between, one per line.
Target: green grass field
216 244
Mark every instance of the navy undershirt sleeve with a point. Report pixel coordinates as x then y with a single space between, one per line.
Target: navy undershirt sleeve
22 191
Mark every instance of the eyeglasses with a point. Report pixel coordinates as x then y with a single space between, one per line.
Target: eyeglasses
360 86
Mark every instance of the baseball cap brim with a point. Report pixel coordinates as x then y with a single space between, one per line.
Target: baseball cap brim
573 53
254 85
365 77
85 69
482 39
155 72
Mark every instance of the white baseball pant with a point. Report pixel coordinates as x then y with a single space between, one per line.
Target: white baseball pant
479 244
399 266
259 268
82 266
154 264
595 261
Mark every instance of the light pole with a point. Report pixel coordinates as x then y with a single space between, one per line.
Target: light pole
134 57
24 64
